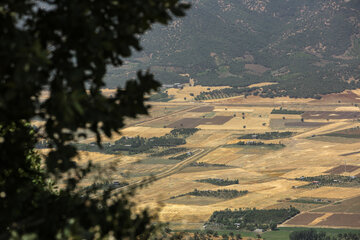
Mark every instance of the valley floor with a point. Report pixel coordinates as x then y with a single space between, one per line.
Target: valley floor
271 172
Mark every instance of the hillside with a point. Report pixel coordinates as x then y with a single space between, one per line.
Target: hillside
308 47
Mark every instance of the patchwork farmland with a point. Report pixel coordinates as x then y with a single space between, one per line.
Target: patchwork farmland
323 141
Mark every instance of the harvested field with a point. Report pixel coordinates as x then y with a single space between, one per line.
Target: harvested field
344 97
262 84
346 133
186 123
342 168
351 205
304 219
331 139
293 123
331 192
305 124
346 109
203 109
341 220
194 200
232 109
301 206
218 120
331 115
194 122
286 116
146 132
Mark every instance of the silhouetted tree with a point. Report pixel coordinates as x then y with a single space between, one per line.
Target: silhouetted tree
64 47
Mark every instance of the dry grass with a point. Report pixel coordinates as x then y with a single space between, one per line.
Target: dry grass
263 84
331 192
146 132
180 94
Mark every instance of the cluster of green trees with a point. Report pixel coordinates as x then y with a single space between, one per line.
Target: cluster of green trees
200 235
135 145
285 111
311 201
221 193
267 135
312 234
160 97
181 157
204 164
185 132
224 93
330 180
254 143
250 143
219 181
210 234
168 152
250 219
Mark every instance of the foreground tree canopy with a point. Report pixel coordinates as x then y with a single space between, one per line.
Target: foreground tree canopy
63 47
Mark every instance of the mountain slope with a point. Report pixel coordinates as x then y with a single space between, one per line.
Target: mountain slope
308 47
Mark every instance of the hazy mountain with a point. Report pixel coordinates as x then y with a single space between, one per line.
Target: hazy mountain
308 47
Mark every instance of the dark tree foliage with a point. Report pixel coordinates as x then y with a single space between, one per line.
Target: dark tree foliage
219 181
250 218
285 111
220 193
64 47
267 135
169 151
310 234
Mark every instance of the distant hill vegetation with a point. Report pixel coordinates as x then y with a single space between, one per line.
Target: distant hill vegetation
308 47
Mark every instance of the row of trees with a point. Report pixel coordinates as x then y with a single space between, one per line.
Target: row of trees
219 181
221 193
204 164
224 93
267 135
330 180
250 218
285 111
135 145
